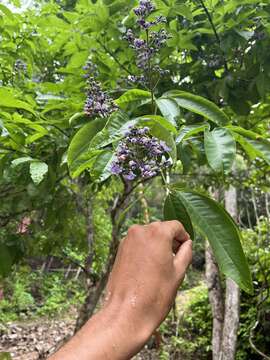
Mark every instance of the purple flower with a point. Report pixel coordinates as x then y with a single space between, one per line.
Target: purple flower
161 19
164 146
129 176
116 168
140 155
148 45
97 103
129 35
143 131
145 8
138 43
20 66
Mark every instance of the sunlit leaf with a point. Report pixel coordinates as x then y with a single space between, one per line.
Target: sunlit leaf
188 131
38 170
220 149
198 105
169 109
133 98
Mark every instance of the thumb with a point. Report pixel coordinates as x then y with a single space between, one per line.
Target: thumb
183 258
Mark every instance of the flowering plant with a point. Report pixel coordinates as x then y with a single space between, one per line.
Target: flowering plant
137 149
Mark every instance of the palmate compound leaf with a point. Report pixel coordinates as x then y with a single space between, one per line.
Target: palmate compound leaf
216 225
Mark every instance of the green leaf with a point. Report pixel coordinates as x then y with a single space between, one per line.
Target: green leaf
114 129
81 143
246 133
198 105
81 155
5 10
174 210
100 170
216 225
185 155
116 123
133 98
7 99
220 149
84 162
32 138
188 131
75 117
262 148
254 148
21 160
38 169
162 121
169 109
182 10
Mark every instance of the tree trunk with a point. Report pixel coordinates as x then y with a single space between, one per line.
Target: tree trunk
225 316
90 300
95 292
215 294
232 301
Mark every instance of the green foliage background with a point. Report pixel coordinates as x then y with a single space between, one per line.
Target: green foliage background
218 50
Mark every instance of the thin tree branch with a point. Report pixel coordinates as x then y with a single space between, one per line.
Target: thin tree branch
215 32
253 345
77 263
114 57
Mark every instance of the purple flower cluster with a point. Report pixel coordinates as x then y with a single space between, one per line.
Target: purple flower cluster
98 102
146 48
145 8
20 66
140 155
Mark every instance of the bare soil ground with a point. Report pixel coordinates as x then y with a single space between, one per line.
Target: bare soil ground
34 340
37 339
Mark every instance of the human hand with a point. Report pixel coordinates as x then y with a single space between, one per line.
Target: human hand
147 274
140 291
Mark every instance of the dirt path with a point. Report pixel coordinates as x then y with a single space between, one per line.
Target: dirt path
33 340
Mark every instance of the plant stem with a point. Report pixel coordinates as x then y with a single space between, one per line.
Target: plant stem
216 34
122 66
150 73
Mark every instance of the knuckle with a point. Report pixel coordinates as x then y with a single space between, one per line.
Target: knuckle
134 229
155 227
177 223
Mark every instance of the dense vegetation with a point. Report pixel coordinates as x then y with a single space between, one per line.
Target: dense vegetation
81 84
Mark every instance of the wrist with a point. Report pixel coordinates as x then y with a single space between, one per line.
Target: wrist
127 331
